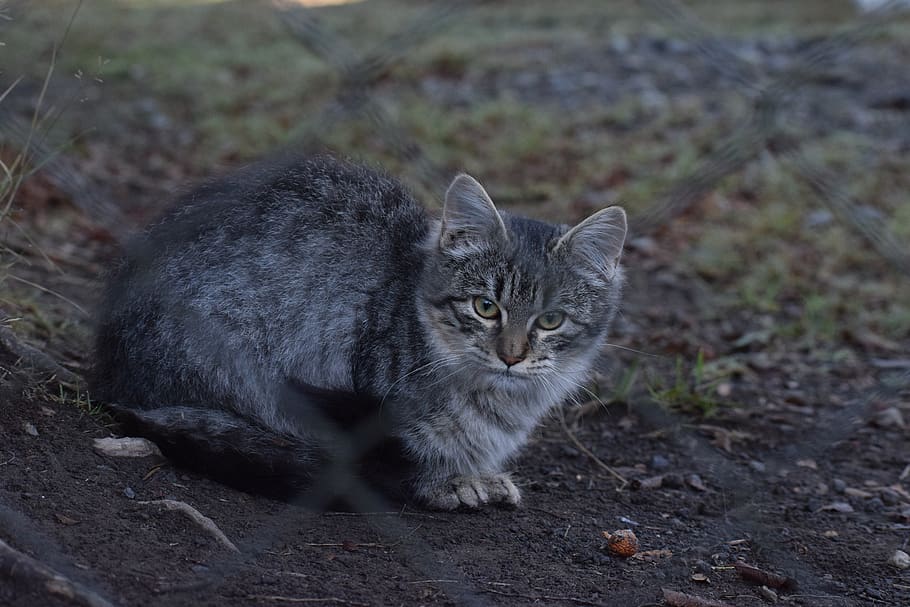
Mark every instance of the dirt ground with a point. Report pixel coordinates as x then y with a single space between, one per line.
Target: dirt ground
804 486
768 432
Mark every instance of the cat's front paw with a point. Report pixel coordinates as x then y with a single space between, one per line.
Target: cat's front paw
472 492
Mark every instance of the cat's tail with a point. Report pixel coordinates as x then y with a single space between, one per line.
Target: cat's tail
347 436
227 447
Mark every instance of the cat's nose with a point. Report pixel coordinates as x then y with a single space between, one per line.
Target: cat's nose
510 360
512 349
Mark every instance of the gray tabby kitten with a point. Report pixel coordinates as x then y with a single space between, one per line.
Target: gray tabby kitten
271 308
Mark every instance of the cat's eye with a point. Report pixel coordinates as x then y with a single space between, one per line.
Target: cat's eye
550 320
486 308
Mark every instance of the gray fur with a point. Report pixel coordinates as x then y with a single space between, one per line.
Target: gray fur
330 275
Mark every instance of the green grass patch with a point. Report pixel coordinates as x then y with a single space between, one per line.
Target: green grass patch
694 388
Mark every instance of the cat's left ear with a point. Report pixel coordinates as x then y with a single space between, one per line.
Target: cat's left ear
469 218
597 241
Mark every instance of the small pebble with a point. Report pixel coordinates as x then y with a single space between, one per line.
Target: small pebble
129 492
813 504
890 418
30 429
721 558
890 497
768 594
703 567
570 451
839 485
874 505
757 466
659 462
900 559
694 481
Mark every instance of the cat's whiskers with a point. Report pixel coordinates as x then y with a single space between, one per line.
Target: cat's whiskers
430 367
547 386
556 396
442 379
589 392
617 346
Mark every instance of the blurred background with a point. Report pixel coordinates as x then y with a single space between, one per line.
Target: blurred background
761 148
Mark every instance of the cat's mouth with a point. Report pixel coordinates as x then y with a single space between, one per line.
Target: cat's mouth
510 374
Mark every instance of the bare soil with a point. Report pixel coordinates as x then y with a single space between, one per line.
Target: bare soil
797 482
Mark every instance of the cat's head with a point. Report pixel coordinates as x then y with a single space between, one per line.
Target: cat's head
514 300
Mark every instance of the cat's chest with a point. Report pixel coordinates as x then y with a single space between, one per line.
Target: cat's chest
481 430
503 414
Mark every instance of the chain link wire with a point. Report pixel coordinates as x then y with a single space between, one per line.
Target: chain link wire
761 133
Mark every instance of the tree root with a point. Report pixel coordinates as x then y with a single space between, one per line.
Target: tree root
36 359
21 568
200 519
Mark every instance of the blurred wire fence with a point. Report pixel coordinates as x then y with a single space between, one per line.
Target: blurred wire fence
762 131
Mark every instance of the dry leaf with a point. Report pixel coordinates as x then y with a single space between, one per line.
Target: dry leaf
652 555
65 520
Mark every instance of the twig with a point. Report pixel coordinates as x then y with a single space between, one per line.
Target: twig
543 597
50 292
292 599
680 599
200 519
34 357
765 578
578 444
20 567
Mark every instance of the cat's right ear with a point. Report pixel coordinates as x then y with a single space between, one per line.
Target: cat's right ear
469 218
